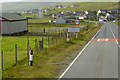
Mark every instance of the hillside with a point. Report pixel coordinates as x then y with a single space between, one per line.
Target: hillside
24 6
83 6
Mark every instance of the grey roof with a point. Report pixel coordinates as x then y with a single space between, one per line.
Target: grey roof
64 18
12 16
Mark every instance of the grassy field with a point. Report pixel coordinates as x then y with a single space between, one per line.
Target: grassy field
47 64
33 15
54 25
8 42
8 47
40 20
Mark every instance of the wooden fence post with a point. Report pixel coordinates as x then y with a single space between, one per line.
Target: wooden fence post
70 34
16 53
49 42
36 46
67 37
59 33
63 33
52 39
52 35
28 49
40 44
2 59
56 35
49 31
31 28
28 45
44 30
42 37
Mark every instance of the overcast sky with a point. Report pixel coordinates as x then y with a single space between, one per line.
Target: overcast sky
56 0
10 0
42 0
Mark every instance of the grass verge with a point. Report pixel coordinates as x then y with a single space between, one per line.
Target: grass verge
49 62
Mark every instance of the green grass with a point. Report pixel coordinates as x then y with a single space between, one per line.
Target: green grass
33 15
8 43
54 25
40 20
8 47
83 6
48 63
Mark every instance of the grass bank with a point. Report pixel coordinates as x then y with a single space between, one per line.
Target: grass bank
49 62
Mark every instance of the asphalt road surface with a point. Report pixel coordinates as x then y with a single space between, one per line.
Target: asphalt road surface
99 58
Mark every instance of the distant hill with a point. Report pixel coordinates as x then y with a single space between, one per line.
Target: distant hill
83 6
23 6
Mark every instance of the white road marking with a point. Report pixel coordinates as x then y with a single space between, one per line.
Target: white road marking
102 39
116 41
113 35
107 39
78 55
98 40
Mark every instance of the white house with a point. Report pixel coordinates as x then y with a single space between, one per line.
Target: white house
13 23
101 11
101 19
87 12
53 15
82 16
107 14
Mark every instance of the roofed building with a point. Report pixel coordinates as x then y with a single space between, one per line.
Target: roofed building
13 23
61 19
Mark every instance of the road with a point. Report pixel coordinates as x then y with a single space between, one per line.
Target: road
99 58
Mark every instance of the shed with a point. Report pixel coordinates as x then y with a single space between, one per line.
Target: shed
13 23
61 19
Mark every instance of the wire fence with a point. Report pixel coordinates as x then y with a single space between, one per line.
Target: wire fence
17 48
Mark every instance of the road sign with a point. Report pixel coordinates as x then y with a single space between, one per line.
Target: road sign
73 29
77 22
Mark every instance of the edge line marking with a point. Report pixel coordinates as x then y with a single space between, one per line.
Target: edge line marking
79 54
113 35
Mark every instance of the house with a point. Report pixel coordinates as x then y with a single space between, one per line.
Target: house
70 16
57 15
83 16
40 15
53 15
102 18
62 19
114 13
59 6
73 5
101 11
107 14
13 23
46 10
78 13
87 12
113 10
64 12
110 18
